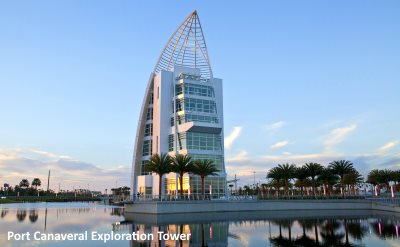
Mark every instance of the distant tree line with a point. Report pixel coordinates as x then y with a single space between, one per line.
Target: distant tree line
23 188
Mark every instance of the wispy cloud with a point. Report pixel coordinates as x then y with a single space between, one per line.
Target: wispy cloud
388 146
17 164
242 155
337 136
280 144
232 137
274 126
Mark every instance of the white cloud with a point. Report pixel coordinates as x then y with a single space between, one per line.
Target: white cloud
337 136
274 126
232 137
280 144
388 146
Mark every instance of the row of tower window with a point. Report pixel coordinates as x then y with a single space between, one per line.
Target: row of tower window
196 105
194 118
196 141
194 89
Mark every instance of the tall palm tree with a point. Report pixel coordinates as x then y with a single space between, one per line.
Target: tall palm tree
204 168
341 167
181 164
36 182
159 164
314 169
283 172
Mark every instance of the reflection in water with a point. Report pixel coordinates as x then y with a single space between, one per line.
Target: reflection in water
4 212
385 228
283 232
75 218
206 234
305 240
21 215
33 215
117 211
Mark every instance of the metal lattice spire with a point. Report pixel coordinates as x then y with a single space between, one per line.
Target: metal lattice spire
186 47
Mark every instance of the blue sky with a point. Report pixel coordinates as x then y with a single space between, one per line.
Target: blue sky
303 81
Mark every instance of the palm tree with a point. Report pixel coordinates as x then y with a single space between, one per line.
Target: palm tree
314 169
341 167
181 164
276 184
36 182
353 178
373 177
385 176
24 183
159 164
283 172
204 168
301 174
327 177
396 177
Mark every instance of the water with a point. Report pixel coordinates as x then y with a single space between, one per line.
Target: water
252 229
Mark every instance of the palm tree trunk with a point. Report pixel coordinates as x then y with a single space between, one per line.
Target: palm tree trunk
287 189
313 185
181 183
159 187
342 185
301 192
202 186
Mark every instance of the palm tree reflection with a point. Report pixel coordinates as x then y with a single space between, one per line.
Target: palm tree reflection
330 233
21 215
384 228
356 230
304 240
4 212
280 240
33 215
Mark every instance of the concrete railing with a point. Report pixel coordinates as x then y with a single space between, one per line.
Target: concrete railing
385 200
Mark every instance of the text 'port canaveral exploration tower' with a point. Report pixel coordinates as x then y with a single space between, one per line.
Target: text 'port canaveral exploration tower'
182 113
